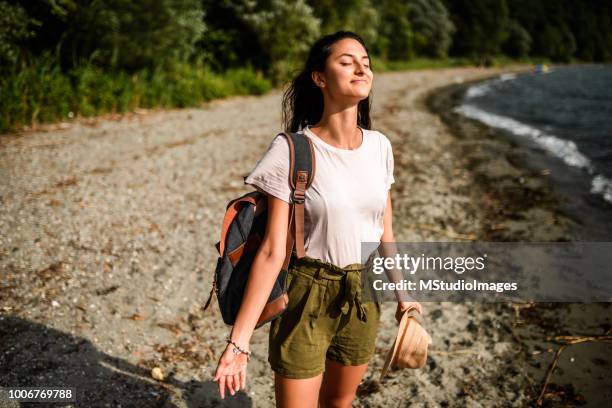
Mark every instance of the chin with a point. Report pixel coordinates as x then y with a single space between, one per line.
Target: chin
357 96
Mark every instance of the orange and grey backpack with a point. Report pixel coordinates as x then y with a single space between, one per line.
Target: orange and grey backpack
243 230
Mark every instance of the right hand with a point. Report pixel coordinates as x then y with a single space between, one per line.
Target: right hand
403 306
231 371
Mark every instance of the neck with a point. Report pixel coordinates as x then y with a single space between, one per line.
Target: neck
339 129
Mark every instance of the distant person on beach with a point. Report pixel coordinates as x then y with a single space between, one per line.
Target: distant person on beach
319 348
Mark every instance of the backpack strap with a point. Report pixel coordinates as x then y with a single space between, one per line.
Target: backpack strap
301 173
302 166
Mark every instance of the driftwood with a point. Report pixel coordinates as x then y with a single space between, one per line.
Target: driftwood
567 341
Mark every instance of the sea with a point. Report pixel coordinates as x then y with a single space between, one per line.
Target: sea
565 114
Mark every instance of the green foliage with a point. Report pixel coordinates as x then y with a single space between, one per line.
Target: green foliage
136 34
565 29
481 27
115 34
433 29
38 93
518 42
42 93
15 28
285 31
559 43
591 26
395 38
229 41
359 16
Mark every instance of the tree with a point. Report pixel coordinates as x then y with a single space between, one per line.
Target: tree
359 16
559 43
15 28
136 34
117 34
518 42
395 37
229 42
432 27
481 27
285 31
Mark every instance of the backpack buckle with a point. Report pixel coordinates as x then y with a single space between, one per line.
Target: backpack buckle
299 191
298 197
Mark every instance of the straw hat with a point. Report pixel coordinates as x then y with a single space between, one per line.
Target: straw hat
410 346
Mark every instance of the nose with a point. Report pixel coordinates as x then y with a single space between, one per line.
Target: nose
360 70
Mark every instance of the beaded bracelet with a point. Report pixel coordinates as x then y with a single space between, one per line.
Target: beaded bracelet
237 350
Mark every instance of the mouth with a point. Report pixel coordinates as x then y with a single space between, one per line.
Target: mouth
359 80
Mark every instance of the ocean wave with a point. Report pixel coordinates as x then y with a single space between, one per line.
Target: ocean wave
484 88
507 77
603 186
477 90
566 150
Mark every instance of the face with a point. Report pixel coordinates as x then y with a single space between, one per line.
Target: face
347 72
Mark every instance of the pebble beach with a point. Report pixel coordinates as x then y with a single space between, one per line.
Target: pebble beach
107 233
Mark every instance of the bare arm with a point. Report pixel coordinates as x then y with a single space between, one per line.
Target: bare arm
264 271
231 370
389 249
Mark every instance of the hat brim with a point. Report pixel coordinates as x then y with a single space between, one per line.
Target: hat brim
392 354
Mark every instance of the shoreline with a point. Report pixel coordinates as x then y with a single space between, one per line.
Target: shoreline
548 196
517 181
519 202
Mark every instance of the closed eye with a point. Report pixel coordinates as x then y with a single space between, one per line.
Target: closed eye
348 63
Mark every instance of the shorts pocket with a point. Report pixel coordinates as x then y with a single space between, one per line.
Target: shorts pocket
306 299
297 288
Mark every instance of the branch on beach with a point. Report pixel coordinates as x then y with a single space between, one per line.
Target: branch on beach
567 341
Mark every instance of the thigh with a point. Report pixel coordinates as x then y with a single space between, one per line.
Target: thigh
355 340
300 337
340 383
296 393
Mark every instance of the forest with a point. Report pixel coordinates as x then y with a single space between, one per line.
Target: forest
61 59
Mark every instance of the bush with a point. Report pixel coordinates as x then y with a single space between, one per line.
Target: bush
43 93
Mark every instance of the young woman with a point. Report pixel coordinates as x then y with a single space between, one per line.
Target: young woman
320 346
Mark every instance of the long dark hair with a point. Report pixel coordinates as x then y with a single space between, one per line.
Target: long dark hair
303 100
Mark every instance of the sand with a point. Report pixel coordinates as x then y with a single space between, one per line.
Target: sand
107 232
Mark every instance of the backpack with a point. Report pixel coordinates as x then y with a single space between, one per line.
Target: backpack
243 230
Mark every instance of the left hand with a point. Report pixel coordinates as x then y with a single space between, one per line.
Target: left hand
403 306
231 371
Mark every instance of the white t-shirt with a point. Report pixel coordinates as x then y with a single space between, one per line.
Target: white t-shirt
345 204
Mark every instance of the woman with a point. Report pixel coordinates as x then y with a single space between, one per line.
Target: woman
320 346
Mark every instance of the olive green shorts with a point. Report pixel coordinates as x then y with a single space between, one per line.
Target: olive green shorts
325 318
